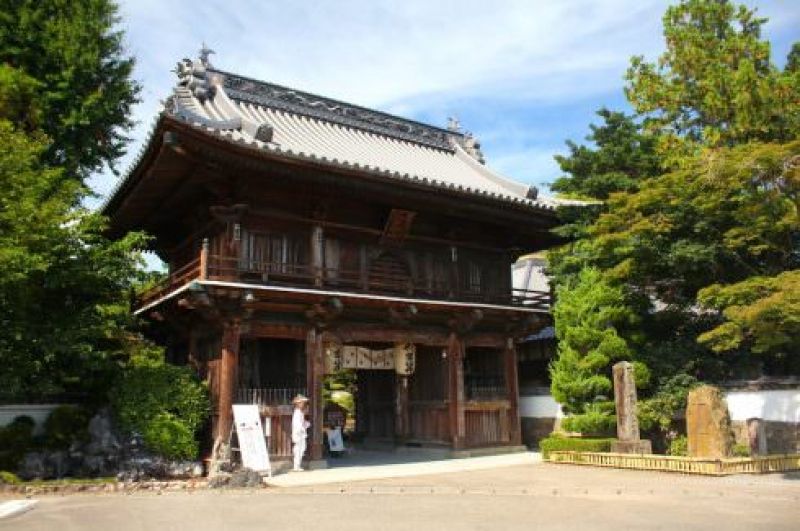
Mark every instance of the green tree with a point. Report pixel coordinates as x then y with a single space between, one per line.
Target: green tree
587 315
715 84
724 217
621 156
63 286
760 312
65 92
793 59
72 54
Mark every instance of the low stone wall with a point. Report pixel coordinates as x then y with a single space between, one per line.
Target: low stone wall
781 437
778 411
540 416
38 412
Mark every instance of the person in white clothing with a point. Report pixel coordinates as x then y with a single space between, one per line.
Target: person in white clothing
299 427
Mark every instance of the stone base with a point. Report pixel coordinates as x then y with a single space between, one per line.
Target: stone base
632 447
536 429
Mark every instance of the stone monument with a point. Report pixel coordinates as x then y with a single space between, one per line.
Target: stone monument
628 441
708 424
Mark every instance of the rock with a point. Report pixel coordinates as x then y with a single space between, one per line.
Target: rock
245 477
103 440
708 424
219 481
34 466
184 469
60 463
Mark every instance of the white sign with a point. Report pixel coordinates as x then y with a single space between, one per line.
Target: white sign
335 442
252 445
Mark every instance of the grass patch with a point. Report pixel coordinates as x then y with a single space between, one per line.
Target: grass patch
556 443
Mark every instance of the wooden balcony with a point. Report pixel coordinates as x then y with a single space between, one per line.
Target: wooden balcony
380 283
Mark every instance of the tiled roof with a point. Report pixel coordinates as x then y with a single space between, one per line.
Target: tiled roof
295 124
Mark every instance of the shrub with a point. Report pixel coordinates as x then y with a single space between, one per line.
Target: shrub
556 443
740 450
15 440
8 478
166 404
679 446
65 425
596 420
169 437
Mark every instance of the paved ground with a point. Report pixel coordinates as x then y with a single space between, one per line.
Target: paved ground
513 497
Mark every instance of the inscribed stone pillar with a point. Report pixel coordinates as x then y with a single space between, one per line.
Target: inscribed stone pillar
628 441
708 425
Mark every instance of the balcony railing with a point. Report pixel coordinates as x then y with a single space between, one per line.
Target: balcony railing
220 268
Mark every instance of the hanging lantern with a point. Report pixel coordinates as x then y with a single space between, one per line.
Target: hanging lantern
405 358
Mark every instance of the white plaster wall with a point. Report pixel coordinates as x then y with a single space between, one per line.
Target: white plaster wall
38 412
539 406
778 406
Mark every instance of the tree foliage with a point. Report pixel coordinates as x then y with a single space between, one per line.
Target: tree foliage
724 216
621 155
715 84
164 404
760 312
704 247
63 286
65 91
587 315
78 74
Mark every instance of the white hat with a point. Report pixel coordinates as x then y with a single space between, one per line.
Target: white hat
299 398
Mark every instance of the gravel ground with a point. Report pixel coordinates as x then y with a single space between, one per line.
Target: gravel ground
515 497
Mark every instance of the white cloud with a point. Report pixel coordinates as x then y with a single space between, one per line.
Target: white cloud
417 58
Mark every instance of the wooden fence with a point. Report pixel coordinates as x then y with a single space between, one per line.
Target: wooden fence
686 465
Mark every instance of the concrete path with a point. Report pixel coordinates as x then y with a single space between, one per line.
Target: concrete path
342 471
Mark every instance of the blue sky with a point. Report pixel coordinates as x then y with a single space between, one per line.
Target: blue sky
523 76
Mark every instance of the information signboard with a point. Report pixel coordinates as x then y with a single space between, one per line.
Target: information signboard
250 434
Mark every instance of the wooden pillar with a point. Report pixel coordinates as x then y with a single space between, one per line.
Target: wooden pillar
314 375
317 254
455 388
512 388
401 428
229 361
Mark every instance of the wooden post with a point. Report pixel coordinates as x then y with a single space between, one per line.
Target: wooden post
204 260
455 395
229 361
512 388
401 407
314 376
317 254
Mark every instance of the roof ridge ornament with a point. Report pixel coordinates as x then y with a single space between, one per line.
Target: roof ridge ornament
193 74
453 124
205 51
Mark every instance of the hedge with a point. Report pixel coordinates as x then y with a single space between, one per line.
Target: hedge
556 443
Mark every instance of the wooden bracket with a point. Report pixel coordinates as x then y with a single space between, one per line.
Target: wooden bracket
323 314
463 323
